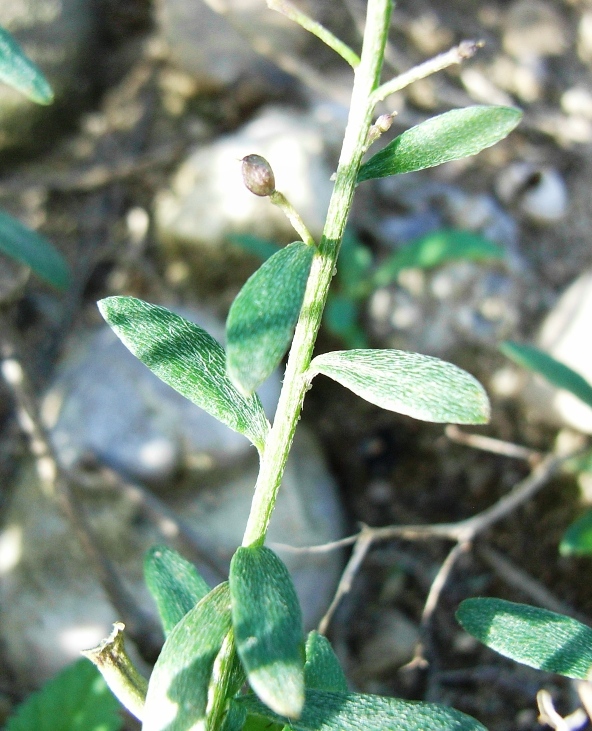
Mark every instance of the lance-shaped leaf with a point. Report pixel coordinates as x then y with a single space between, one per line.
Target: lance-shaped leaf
77 699
262 318
177 698
185 357
557 373
322 670
417 385
20 72
535 637
268 628
174 584
577 540
449 136
324 711
28 247
434 249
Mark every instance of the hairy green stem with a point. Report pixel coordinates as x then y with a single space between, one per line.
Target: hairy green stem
280 200
279 441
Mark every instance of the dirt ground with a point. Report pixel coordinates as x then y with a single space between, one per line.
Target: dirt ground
390 469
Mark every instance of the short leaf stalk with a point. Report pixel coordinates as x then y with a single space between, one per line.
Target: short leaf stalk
366 80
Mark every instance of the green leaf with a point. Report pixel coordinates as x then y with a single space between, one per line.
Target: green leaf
449 136
28 247
355 261
262 318
557 373
185 357
75 700
177 698
174 584
20 72
268 628
417 385
535 637
322 670
324 711
341 317
261 248
577 540
434 249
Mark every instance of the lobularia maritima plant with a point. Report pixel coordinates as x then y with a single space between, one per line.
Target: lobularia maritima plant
247 632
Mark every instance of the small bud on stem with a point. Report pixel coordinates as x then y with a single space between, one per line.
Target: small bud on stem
258 175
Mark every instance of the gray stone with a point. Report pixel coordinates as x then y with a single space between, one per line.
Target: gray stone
104 401
60 37
216 41
566 335
207 200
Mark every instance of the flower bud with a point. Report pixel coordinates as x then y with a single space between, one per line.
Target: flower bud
258 175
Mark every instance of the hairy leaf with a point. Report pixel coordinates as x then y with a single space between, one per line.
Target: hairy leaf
262 318
268 628
30 248
434 249
177 698
449 136
174 584
324 711
535 637
185 357
77 699
417 385
20 72
322 670
557 373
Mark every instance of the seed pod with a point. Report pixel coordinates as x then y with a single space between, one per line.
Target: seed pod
258 175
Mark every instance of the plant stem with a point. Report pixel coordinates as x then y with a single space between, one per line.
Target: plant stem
279 441
455 55
280 200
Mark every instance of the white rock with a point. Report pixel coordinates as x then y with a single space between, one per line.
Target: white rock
534 28
539 192
566 334
216 41
390 645
207 200
106 402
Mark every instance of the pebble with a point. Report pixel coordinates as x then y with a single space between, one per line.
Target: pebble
207 201
104 401
217 42
533 28
540 193
565 335
390 645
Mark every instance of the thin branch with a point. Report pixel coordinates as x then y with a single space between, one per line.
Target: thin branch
361 547
491 445
455 55
440 581
312 26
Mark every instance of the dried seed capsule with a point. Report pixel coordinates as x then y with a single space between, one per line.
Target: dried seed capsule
258 175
